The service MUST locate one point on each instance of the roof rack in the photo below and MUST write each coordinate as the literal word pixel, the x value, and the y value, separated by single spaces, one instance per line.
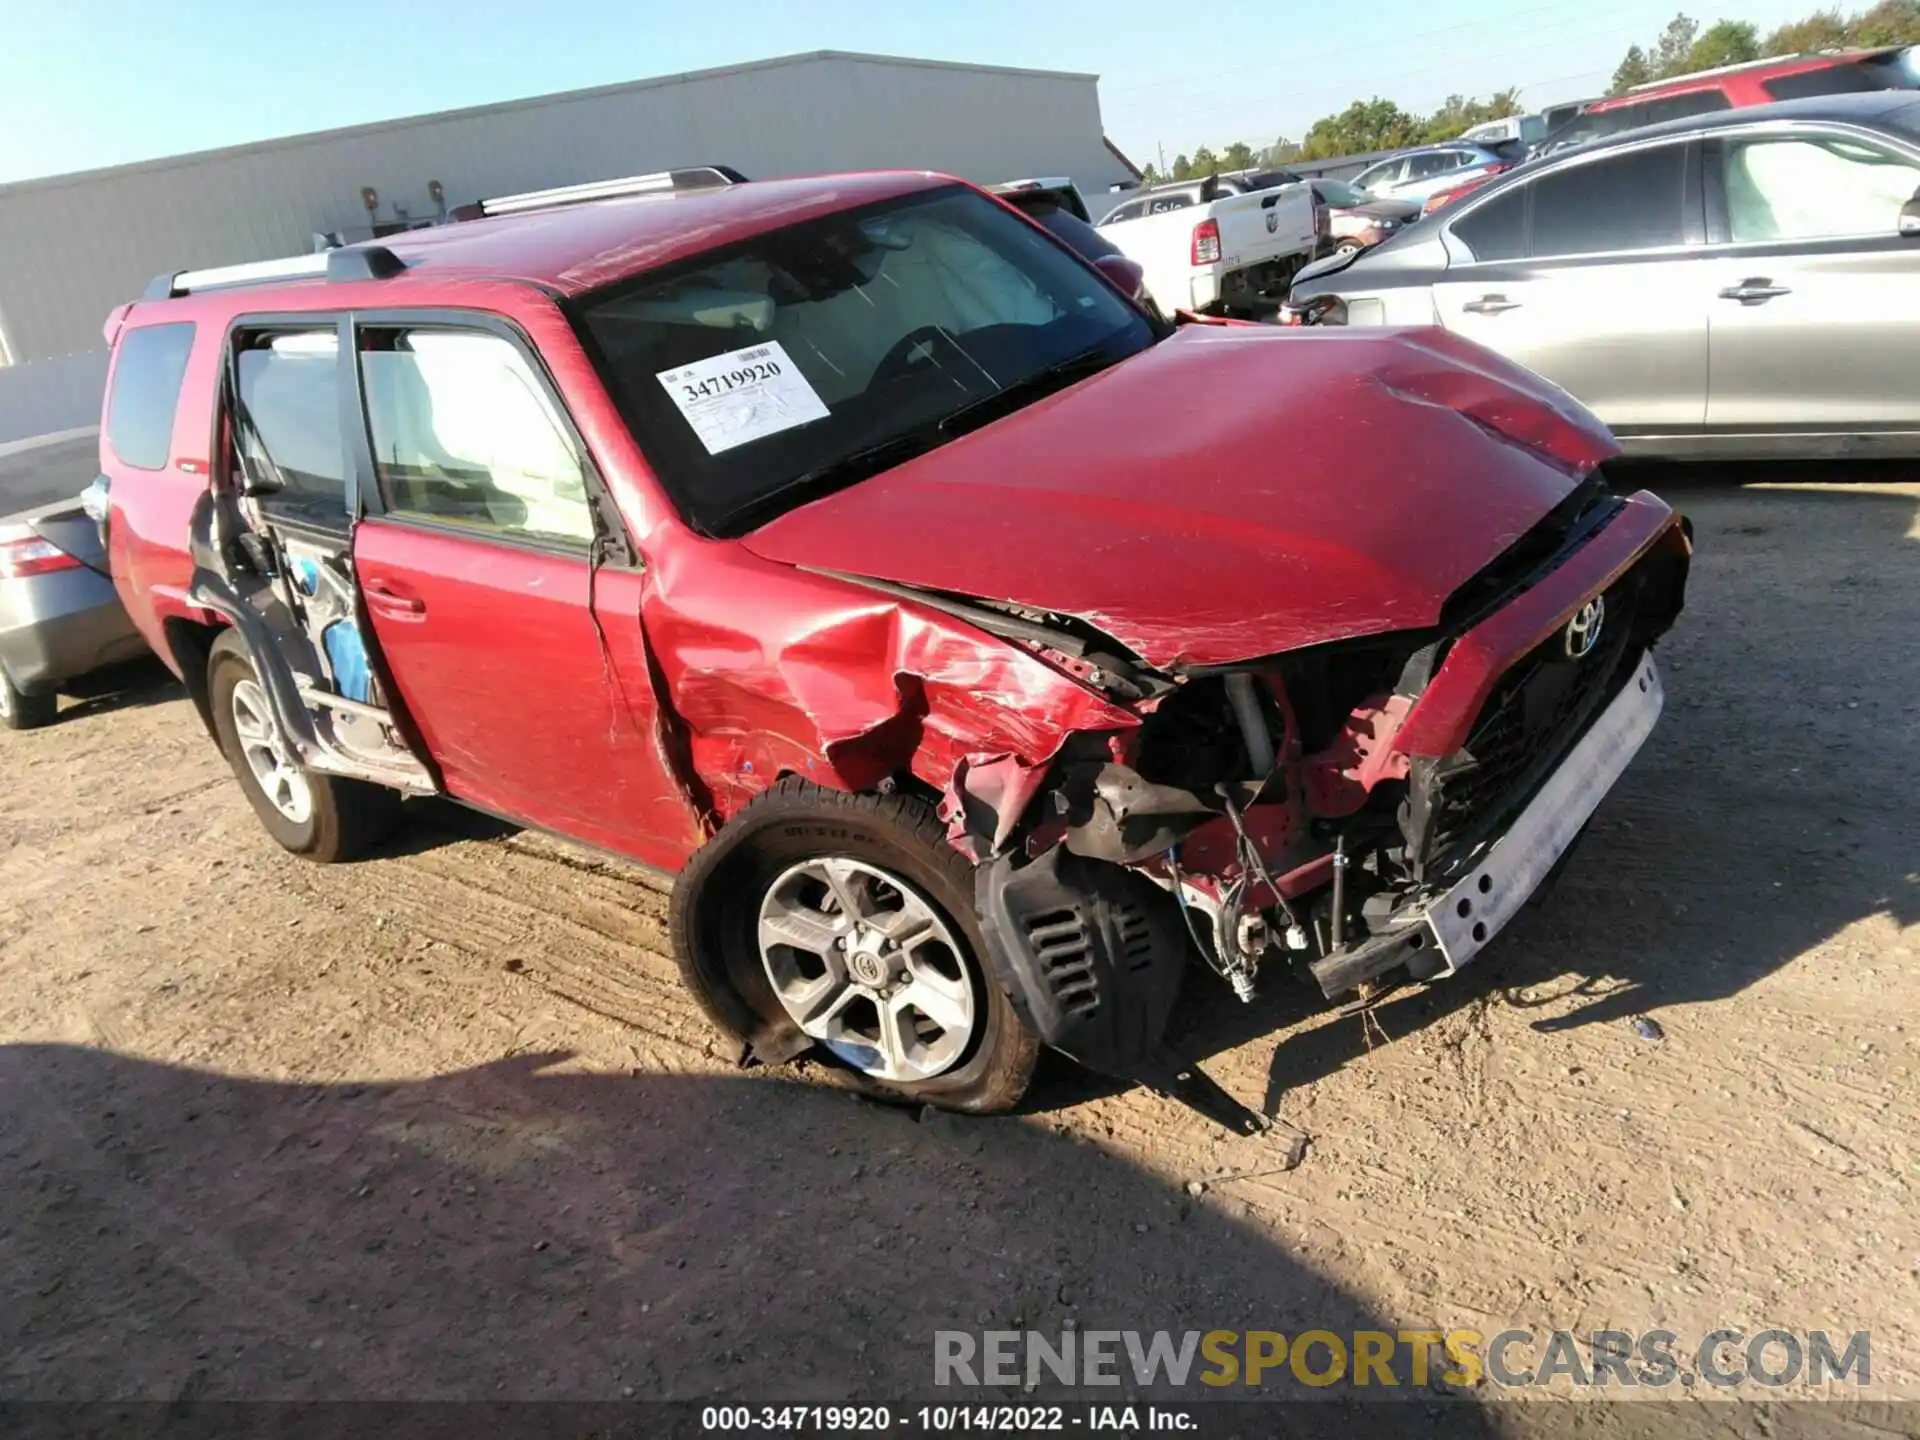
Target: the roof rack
pixel 359 262
pixel 1722 70
pixel 692 178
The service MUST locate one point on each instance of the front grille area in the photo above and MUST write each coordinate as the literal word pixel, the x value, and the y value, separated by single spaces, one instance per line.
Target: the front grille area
pixel 1534 716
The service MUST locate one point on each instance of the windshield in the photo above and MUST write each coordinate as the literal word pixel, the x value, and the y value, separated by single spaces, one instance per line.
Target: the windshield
pixel 761 375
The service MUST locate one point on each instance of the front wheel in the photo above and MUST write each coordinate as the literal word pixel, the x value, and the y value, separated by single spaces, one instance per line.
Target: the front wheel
pixel 847 922
pixel 325 818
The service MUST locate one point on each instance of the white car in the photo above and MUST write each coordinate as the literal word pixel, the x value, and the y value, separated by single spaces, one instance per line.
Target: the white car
pixel 1527 129
pixel 1416 174
pixel 1228 244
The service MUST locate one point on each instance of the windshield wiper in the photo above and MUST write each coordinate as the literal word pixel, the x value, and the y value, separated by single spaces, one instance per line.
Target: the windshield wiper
pixel 1025 391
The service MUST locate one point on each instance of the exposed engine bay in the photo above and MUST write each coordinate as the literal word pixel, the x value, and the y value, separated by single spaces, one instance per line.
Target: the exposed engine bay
pixel 1304 812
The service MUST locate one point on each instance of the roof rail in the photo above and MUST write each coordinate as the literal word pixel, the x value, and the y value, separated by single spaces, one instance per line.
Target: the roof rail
pixel 1725 70
pixel 360 262
pixel 692 178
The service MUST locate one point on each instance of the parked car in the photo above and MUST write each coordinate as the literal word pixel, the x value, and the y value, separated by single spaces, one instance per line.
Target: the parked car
pixel 973 648
pixel 1440 199
pixel 1734 87
pixel 1416 174
pixel 1511 154
pixel 1554 116
pixel 1058 206
pixel 1527 129
pixel 59 616
pixel 1352 220
pixel 1227 244
pixel 1746 283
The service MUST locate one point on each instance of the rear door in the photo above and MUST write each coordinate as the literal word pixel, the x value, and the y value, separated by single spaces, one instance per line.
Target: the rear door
pixel 271 542
pixel 504 594
pixel 1592 274
pixel 1816 295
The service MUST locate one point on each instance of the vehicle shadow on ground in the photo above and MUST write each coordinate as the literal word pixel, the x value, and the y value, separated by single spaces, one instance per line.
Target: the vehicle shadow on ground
pixel 133 685
pixel 430 822
pixel 518 1230
pixel 1771 808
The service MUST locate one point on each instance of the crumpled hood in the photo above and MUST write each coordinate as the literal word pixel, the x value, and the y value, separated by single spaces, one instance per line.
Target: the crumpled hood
pixel 1234 492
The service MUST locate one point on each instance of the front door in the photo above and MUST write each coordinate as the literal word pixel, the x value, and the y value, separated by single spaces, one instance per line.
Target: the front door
pixel 1815 315
pixel 1592 275
pixel 519 654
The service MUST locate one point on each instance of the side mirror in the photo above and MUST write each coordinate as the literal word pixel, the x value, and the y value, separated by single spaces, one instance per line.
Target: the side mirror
pixel 1124 273
pixel 1910 217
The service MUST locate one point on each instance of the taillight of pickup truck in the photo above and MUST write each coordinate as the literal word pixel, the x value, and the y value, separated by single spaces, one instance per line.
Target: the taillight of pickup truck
pixel 1206 243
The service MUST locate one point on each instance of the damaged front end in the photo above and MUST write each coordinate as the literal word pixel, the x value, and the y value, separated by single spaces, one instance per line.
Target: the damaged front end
pixel 1355 809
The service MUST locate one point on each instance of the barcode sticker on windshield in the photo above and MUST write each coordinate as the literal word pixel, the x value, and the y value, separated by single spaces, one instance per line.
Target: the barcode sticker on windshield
pixel 742 395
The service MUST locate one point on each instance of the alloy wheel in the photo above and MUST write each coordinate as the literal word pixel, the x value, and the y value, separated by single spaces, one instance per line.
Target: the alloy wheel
pixel 868 966
pixel 280 779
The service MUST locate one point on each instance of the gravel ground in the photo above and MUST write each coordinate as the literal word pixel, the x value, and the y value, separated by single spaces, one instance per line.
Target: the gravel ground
pixel 442 1125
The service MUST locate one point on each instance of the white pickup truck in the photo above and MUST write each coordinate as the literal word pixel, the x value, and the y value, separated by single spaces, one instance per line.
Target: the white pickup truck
pixel 1223 245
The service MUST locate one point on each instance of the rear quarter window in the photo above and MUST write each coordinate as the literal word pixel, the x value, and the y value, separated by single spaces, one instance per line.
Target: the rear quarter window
pixel 146 390
pixel 1829 80
pixel 1498 229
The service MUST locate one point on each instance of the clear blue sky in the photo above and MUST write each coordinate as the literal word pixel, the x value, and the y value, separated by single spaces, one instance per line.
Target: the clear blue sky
pixel 85 83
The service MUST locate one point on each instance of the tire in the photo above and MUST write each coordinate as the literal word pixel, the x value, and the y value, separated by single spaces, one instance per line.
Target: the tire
pixel 340 820
pixel 716 922
pixel 25 712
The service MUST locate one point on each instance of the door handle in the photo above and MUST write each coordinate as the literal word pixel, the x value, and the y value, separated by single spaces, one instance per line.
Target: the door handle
pixel 1756 290
pixel 386 599
pixel 1490 305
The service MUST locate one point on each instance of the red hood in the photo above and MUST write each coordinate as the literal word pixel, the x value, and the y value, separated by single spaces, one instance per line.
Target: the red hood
pixel 1233 492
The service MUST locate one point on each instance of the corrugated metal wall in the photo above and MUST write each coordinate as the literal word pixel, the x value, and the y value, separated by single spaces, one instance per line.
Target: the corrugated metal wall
pixel 74 246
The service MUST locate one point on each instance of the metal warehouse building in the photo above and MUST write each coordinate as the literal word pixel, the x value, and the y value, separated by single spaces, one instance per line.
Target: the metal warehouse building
pixel 73 246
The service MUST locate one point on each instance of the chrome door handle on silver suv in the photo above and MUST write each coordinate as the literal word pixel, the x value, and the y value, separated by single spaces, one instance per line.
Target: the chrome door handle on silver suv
pixel 1756 290
pixel 1490 305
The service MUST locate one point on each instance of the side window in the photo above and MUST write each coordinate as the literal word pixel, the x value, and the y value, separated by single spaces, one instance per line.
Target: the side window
pixel 1132 210
pixel 1624 202
pixel 1425 167
pixel 1815 188
pixel 1626 117
pixel 1162 204
pixel 464 434
pixel 1387 172
pixel 1827 80
pixel 1498 229
pixel 146 390
pixel 291 444
pixel 1681 107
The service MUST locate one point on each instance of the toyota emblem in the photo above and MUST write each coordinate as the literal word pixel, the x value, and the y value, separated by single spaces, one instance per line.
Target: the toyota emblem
pixel 1583 630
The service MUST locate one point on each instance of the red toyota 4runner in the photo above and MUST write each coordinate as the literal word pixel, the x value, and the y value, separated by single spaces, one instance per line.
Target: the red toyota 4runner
pixel 975 649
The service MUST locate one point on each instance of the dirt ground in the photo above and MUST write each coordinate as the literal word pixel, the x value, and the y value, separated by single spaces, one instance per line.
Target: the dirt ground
pixel 442 1125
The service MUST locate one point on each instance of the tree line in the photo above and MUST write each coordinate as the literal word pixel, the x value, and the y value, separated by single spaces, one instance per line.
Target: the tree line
pixel 1380 124
pixel 1364 125
pixel 1684 47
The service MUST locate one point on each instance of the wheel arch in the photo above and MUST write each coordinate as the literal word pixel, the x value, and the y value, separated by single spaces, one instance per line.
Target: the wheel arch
pixel 190 646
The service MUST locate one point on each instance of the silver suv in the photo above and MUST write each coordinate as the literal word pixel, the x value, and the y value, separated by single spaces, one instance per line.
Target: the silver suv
pixel 1739 284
